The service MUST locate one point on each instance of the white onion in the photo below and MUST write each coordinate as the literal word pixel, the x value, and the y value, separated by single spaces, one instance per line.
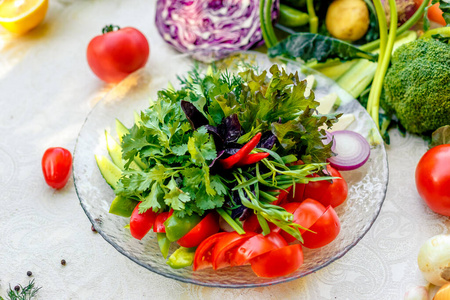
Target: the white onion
pixel 434 259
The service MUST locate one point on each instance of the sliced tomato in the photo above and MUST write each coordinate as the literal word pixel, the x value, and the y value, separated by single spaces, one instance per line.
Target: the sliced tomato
pixel 203 254
pixel 296 195
pixel 223 250
pixel 251 224
pixel 256 245
pixel 282 197
pixel 140 224
pixel 326 229
pixel 328 193
pixel 158 225
pixel 208 226
pixel 306 214
pixel 278 262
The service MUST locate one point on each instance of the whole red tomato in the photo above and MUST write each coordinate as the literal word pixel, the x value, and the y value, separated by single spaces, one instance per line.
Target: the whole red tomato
pixel 56 166
pixel 433 179
pixel 117 53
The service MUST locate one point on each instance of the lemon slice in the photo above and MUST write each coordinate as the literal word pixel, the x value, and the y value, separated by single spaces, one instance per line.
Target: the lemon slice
pixel 20 16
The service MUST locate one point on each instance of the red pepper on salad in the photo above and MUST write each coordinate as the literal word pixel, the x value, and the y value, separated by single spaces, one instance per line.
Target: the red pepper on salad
pixel 243 156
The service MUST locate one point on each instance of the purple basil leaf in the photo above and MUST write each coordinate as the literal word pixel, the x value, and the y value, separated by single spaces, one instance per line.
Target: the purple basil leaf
pixel 230 129
pixel 194 116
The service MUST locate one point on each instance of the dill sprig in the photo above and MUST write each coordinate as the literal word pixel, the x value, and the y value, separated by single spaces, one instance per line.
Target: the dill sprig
pixel 24 293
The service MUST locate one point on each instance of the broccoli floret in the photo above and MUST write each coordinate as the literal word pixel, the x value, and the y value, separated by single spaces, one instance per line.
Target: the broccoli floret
pixel 417 86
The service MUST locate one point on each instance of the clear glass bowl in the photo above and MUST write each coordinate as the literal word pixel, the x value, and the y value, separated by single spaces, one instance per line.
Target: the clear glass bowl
pixel 367 185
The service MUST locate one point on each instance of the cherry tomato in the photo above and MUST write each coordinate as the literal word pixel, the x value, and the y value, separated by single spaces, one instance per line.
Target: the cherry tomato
pixel 433 179
pixel 278 262
pixel 257 245
pixel 327 193
pixel 208 226
pixel 140 224
pixel 223 250
pixel 117 53
pixel 203 254
pixel 325 230
pixel 57 166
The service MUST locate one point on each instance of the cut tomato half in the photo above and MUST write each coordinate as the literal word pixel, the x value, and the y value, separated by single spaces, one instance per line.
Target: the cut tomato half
pixel 278 262
pixel 325 230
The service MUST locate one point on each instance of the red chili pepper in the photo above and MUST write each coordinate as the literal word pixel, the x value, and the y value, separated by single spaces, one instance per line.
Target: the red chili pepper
pixel 229 162
pixel 252 159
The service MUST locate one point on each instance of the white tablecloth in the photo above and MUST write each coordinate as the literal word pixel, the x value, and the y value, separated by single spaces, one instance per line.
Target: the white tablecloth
pixel 46 92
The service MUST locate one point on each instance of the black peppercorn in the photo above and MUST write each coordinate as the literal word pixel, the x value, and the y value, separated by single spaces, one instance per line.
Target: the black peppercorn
pixel 29 273
pixel 63 262
pixel 17 288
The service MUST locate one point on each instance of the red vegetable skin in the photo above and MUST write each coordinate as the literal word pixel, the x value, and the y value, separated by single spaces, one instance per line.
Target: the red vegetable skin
pixel 257 245
pixel 116 54
pixel 252 159
pixel 434 12
pixel 223 250
pixel 203 254
pixel 140 224
pixel 352 150
pixel 231 161
pixel 325 230
pixel 305 214
pixel 328 193
pixel 278 262
pixel 208 226
pixel 433 179
pixel 158 225
pixel 56 166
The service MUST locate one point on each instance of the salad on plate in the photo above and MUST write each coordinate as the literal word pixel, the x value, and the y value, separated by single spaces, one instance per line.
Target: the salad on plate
pixel 235 168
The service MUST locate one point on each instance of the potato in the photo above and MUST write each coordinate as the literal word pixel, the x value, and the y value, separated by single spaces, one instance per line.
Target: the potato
pixel 347 19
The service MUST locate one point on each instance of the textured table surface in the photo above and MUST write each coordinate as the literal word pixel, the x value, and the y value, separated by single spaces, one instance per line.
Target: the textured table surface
pixel 46 92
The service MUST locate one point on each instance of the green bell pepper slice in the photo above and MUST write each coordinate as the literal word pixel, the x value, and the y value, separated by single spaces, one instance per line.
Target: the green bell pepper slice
pixel 181 258
pixel 177 227
pixel 163 243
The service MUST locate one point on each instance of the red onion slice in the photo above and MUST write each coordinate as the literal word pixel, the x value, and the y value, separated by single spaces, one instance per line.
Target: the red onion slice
pixel 329 139
pixel 352 150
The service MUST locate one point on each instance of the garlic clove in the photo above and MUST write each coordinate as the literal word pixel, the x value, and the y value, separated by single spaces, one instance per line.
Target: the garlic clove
pixel 417 293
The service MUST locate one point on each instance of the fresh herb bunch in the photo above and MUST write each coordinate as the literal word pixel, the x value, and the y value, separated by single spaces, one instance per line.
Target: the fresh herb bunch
pixel 183 136
pixel 24 293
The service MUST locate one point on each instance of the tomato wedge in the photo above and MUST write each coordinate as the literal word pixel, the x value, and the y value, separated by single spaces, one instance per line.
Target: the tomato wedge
pixel 208 226
pixel 278 262
pixel 203 254
pixel 282 197
pixel 257 245
pixel 296 195
pixel 306 214
pixel 328 193
pixel 158 225
pixel 326 229
pixel 140 224
pixel 222 252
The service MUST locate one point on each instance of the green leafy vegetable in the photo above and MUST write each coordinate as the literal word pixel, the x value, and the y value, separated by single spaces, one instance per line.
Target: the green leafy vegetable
pixel 310 46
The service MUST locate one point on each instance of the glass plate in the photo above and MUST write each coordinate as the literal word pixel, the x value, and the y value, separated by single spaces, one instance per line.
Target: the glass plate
pixel 367 185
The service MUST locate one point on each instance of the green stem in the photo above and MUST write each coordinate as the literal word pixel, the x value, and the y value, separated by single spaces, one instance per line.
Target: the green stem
pixel 375 92
pixel 382 23
pixel 109 28
pixel 230 221
pixel 265 16
pixel 313 20
pixel 445 31
pixel 407 25
pixel 263 223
